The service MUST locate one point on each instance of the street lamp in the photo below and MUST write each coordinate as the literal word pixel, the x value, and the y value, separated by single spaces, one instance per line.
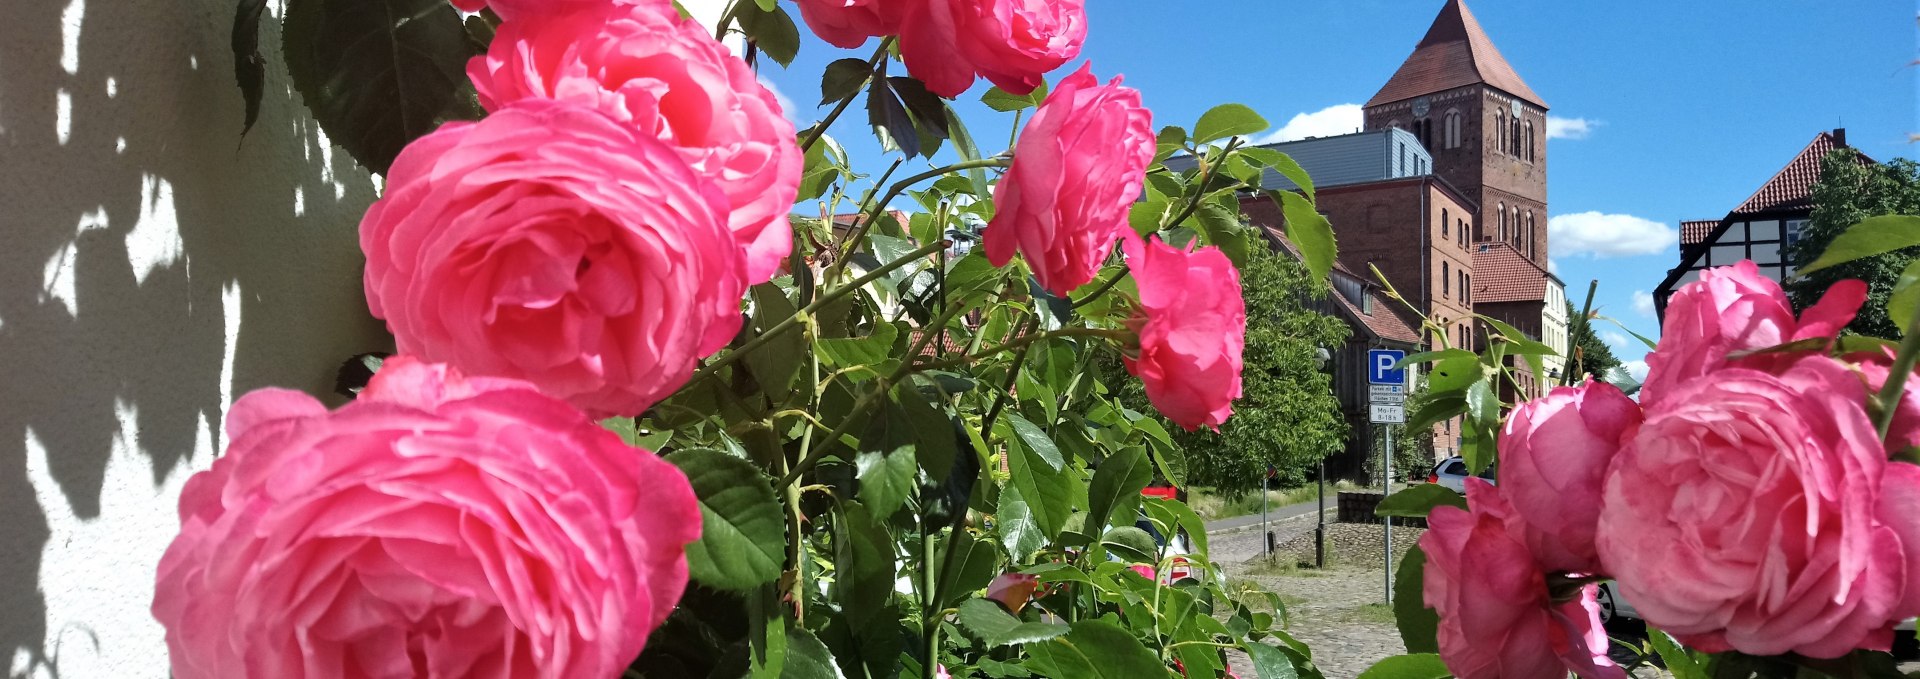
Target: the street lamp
pixel 1321 357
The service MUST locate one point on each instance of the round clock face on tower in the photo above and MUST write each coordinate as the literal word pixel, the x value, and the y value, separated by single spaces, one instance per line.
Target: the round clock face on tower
pixel 1420 107
pixel 1516 108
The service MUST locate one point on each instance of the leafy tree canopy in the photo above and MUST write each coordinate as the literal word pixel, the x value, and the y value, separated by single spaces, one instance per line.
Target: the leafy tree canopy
pixel 1848 192
pixel 1587 353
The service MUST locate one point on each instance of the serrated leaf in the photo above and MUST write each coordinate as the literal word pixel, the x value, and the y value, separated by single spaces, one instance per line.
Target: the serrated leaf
pixel 807 658
pixel 742 530
pixel 1682 664
pixel 843 79
pixel 1042 485
pixel 1094 649
pixel 1906 296
pixel 1116 486
pixel 1418 624
pixel 776 363
pixel 928 109
pixel 967 150
pixel 1019 533
pixel 1227 120
pixel 852 351
pixel 1284 164
pixel 1186 519
pixel 378 74
pixel 1419 500
pixel 1132 544
pixel 1435 409
pixel 1037 440
pixel 1482 405
pixel 770 29
pixel 1270 662
pixel 1873 236
pixel 1411 666
pixel 890 120
pixel 1008 102
pixel 1223 230
pixel 865 565
pixel 974 565
pixel 992 625
pixel 1309 230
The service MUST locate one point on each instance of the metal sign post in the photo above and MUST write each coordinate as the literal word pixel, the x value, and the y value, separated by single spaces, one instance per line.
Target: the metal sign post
pixel 1386 401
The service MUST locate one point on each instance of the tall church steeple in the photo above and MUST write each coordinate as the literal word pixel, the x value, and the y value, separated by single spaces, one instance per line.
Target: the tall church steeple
pixel 1485 127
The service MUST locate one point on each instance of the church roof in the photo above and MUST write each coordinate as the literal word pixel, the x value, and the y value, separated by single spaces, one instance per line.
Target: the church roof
pixel 1455 53
pixel 1792 187
pixel 1502 274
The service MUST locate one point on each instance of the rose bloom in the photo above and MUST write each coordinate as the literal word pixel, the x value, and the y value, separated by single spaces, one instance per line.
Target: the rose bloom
pixel 848 23
pixel 438 526
pixel 549 243
pixel 1076 170
pixel 1013 590
pixel 1735 309
pixel 1758 511
pixel 643 64
pixel 1011 43
pixel 1497 618
pixel 1193 326
pixel 1554 454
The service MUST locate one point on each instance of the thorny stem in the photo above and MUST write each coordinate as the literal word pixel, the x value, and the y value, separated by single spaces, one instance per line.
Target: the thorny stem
pixel 820 130
pixel 1206 173
pixel 1097 292
pixel 1023 341
pixel 873 214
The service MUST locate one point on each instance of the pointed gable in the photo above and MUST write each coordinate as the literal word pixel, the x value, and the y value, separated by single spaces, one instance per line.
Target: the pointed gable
pixel 1455 53
pixel 1792 187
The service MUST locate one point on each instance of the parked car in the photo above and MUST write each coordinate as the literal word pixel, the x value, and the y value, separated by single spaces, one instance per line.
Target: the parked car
pixel 1452 473
pixel 1612 606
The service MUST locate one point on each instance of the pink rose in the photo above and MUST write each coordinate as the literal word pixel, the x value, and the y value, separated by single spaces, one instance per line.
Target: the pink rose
pixel 667 77
pixel 549 243
pixel 1735 309
pixel 1193 326
pixel 1011 43
pixel 1554 454
pixel 1497 618
pixel 438 526
pixel 1076 170
pixel 1144 570
pixel 1013 590
pixel 1758 512
pixel 848 23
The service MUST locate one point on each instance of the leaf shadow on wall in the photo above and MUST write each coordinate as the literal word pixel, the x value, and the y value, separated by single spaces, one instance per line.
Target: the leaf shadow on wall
pixel 134 237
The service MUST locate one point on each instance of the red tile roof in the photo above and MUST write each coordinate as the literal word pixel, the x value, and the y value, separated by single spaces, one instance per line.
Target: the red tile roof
pixel 1455 53
pixel 1502 274
pixel 1696 230
pixel 1791 188
pixel 945 344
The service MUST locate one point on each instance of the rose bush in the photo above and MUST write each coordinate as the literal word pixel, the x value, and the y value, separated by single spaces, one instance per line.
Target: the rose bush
pixel 665 75
pixel 550 243
pixel 1192 327
pixel 1554 454
pixel 439 526
pixel 1075 172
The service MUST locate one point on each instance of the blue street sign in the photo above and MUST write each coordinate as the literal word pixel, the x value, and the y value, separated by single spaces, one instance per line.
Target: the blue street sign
pixel 1380 368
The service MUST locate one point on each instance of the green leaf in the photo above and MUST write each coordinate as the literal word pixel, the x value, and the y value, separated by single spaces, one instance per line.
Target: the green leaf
pixel 1185 518
pixel 843 79
pixel 886 466
pixel 1132 544
pixel 743 536
pixel 1411 666
pixel 964 147
pixel 991 624
pixel 769 28
pixel 249 68
pixel 1905 297
pixel 1651 345
pixel 625 427
pixel 1008 102
pixel 1682 664
pixel 865 565
pixel 1518 342
pixel 821 171
pixel 1227 120
pixel 1418 501
pixel 1873 236
pixel 1482 405
pixel 889 119
pixel 1094 649
pixel 1456 372
pixel 1434 409
pixel 1116 486
pixel 1019 532
pixel 1223 229
pixel 1036 440
pixel 378 74
pixel 1418 624
pixel 775 364
pixel 1282 163
pixel 1043 485
pixel 1309 230
pixel 868 350
pixel 1270 662
pixel 928 109
pixel 807 658
pixel 974 565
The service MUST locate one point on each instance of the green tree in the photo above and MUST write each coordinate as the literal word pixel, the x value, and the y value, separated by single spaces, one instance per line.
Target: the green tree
pixel 1287 416
pixel 1588 354
pixel 1850 190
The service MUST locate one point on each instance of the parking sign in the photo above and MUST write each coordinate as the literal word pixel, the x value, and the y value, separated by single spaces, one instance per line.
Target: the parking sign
pixel 1380 368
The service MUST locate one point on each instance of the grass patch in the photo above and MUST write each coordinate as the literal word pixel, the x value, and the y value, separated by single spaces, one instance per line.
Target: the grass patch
pixel 1373 613
pixel 1283 565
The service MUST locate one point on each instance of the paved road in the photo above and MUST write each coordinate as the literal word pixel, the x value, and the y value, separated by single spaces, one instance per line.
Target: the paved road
pixel 1273 514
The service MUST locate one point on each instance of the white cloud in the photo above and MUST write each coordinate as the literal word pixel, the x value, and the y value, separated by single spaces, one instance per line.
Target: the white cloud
pixel 1570 128
pixel 1613 339
pixel 1638 369
pixel 1553 266
pixel 1609 235
pixel 1326 122
pixel 1643 303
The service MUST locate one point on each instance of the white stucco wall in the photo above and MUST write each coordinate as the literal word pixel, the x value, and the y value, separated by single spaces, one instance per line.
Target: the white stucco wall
pixel 153 265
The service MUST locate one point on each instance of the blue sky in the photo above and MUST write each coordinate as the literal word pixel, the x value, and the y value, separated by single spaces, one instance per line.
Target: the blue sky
pixel 1670 111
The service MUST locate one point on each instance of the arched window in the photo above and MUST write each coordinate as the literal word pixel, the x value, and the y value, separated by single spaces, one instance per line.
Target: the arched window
pixel 1452 129
pixel 1463 233
pixel 1528 128
pixel 1516 221
pixel 1532 241
pixel 1446 279
pixel 1445 222
pixel 1500 123
pixel 1515 138
pixel 1502 212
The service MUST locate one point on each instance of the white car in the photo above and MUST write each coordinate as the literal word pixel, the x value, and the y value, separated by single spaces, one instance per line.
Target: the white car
pixel 1452 473
pixel 1613 607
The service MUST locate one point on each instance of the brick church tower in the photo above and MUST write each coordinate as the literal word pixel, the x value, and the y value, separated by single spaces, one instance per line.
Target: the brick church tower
pixel 1486 129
